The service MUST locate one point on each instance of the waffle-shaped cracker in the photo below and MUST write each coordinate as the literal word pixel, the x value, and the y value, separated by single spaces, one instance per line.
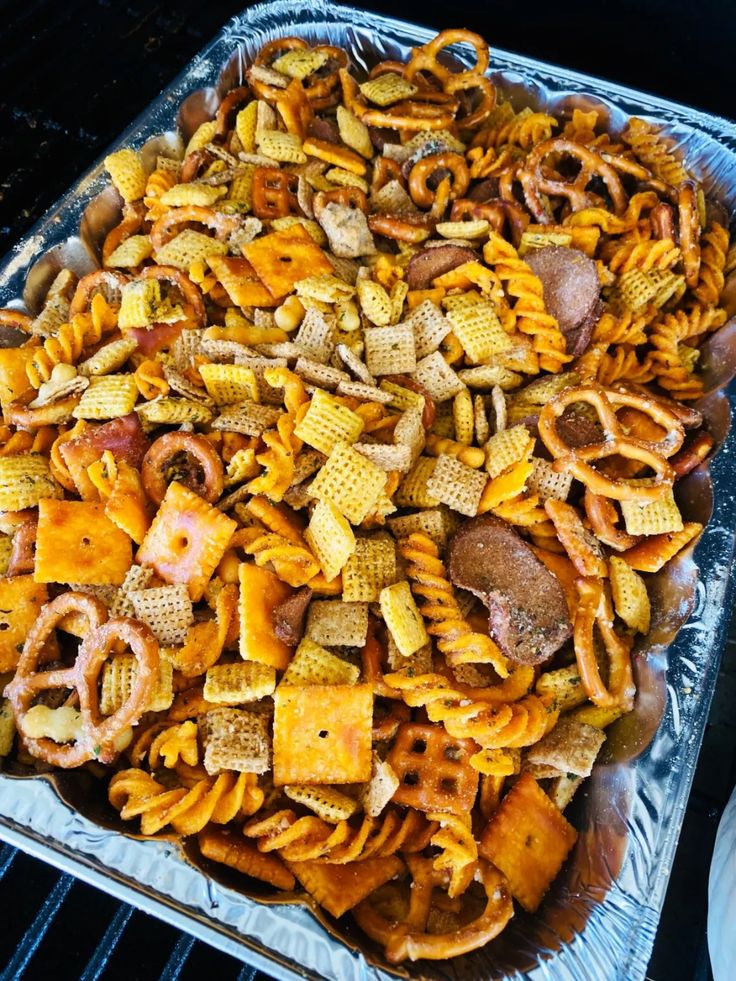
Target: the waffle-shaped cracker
pixel 433 769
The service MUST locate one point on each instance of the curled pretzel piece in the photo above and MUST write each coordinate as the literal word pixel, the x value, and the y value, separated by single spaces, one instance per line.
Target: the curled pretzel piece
pixel 408 939
pixel 167 226
pixel 186 457
pixel 190 293
pixel 537 180
pixel 433 165
pixel 595 610
pixel 424 59
pixel 689 225
pixel 99 735
pixel 578 460
pixel 604 518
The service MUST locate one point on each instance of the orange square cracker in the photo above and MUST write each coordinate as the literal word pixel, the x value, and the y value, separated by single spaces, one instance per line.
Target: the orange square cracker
pixel 341 887
pixel 260 593
pixel 283 258
pixel 186 540
pixel 322 734
pixel 239 279
pixel 21 598
pixel 528 839
pixel 76 542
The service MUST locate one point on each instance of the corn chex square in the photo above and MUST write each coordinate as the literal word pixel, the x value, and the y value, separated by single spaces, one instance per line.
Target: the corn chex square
pixel 349 481
pixel 126 171
pixel 328 422
pixel 248 418
pixel 235 739
pixel 430 327
pixel 403 619
pixel 506 448
pixel 167 610
pixel 333 623
pixel 630 597
pixel 244 681
pixel 654 518
pixel 435 375
pixel 370 568
pixel 329 804
pixel 390 350
pixel 330 537
pixel 187 247
pixel 486 377
pixel 130 253
pixel 284 147
pixel 457 485
pixel 401 397
pixel 118 678
pixel 387 89
pixel 433 522
pixel 228 384
pixel 25 478
pixel 313 665
pixel 354 133
pixel 107 397
pixel 109 358
pixel 317 335
pixel 477 327
pixel 413 491
pixel 546 482
pixel 174 412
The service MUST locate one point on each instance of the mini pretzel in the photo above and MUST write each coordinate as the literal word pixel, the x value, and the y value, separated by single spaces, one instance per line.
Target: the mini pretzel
pixel 689 223
pixel 133 218
pixel 52 414
pixel 663 221
pixel 167 225
pixel 410 116
pixel 422 195
pixel 322 87
pixel 408 939
pixel 384 170
pixel 274 193
pixel 578 460
pixel 486 103
pixel 692 454
pixel 402 228
pixel 537 181
pixel 424 59
pixel 190 292
pixel 193 164
pixel 105 281
pixel 603 518
pixel 348 197
pixel 223 117
pixel 595 610
pixel 99 736
pixel 186 457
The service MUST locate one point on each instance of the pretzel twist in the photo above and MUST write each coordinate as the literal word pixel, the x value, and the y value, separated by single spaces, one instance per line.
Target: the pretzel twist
pixel 595 610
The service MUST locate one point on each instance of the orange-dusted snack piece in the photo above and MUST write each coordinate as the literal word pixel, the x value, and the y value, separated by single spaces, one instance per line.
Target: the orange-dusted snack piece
pixel 229 848
pixel 340 887
pixel 124 438
pixel 283 258
pixel 433 769
pixel 322 734
pixel 186 540
pixel 528 839
pixel 127 506
pixel 14 384
pixel 655 551
pixel 21 599
pixel 261 591
pixel 77 543
pixel 240 281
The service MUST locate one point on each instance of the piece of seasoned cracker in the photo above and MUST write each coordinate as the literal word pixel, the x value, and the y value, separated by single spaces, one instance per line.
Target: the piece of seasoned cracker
pixel 339 888
pixel 329 804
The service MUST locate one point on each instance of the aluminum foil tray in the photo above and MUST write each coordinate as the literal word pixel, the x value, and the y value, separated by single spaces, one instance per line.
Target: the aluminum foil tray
pixel 601 915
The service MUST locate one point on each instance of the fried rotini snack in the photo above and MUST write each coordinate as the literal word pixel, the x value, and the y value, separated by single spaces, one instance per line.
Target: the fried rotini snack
pixel 365 324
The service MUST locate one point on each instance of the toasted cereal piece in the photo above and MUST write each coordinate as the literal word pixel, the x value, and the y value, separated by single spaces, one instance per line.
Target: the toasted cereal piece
pixel 409 431
pixel 130 253
pixel 107 397
pixel 345 178
pixel 414 491
pixel 463 417
pixel 636 289
pixel 7 728
pixel 630 597
pixel 118 678
pixel 347 231
pixel 653 518
pixel 265 119
pixel 189 247
pixel 267 252
pixel 546 482
pixel 386 89
pixel 457 485
pixel 203 135
pixel 463 229
pixel 398 294
pixel 229 384
pixel 284 147
pixel 307 463
pixel 331 805
pixel 186 540
pixel 528 839
pixel 506 448
pixel 420 662
pixel 562 790
pixel 390 350
pixel 377 793
pixel 331 725
pixel 76 542
pixel 328 422
pixel 166 609
pixel 172 411
pixel 402 617
pixel 311 226
pixel 581 545
pixel 537 239
pixel 109 358
pixel 235 740
pixel 317 335
pixel 350 482
pixel 245 126
pixel 370 568
pixel 6 548
pixel 571 747
pixel 300 62
pixel 25 479
pixel 228 847
pixel 376 306
pixel 354 133
pixel 565 685
pixel 249 418
pixel 401 397
pixel 477 327
pixel 322 375
pixel 481 425
pixel 21 599
pixel 326 288
pixel 334 623
pixel 366 393
pixel 125 168
pixel 330 537
pixel 233 684
pixel 313 665
pixel 433 522
pixel 594 715
pixel 436 376
pixel 487 376
pixel 392 199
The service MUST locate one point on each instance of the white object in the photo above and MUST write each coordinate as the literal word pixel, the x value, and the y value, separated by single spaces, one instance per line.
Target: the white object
pixel 722 897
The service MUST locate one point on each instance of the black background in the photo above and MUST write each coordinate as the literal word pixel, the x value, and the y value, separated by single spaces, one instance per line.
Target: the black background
pixel 74 74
